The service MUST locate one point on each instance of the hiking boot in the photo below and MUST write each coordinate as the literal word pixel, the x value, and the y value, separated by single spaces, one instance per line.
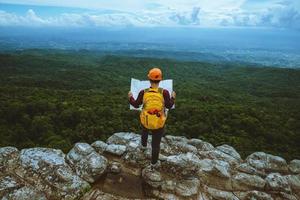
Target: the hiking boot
pixel 141 146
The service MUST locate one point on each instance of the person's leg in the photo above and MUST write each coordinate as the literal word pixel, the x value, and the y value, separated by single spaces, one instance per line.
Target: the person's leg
pixel 144 136
pixel 156 138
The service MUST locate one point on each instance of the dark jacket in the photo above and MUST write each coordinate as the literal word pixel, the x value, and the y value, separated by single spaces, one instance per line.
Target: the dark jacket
pixel 169 102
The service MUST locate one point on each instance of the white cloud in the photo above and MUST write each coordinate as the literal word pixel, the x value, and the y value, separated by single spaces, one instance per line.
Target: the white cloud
pixel 136 5
pixel 284 15
pixel 202 13
pixel 281 15
pixel 30 19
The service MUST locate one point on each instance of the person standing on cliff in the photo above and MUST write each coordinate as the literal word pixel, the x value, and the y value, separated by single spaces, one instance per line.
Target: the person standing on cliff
pixel 155 100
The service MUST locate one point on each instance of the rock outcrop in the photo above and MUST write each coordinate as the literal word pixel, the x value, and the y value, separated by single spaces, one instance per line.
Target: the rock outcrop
pixel 119 169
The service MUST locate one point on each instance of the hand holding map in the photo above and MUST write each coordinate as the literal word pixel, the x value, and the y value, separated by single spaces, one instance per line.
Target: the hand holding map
pixel 138 85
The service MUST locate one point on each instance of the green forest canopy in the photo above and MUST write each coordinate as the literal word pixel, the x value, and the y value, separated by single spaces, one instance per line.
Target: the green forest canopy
pixel 57 98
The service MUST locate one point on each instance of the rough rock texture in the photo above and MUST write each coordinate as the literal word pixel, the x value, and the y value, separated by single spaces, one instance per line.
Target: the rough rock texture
pixel 8 159
pixel 253 195
pixel 116 149
pixel 294 166
pixel 100 195
pixel 242 182
pixel 276 182
pixel 88 164
pixel 119 169
pixel 99 146
pixel 294 182
pixel 267 162
pixel 25 193
pixel 39 173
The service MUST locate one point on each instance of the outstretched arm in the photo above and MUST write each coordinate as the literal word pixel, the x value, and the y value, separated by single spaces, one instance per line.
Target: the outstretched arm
pixel 136 103
pixel 169 101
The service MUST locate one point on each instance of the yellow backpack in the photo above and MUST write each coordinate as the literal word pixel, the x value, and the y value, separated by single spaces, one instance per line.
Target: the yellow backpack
pixel 153 113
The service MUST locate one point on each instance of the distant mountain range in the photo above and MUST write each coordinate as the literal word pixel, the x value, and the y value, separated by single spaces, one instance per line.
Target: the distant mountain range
pixel 265 47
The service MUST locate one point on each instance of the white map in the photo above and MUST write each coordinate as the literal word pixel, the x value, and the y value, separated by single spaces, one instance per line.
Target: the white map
pixel 138 85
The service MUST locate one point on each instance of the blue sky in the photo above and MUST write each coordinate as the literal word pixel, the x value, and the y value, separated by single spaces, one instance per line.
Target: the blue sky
pixel 151 13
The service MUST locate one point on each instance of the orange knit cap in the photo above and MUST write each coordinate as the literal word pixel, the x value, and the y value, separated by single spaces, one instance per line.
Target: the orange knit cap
pixel 155 74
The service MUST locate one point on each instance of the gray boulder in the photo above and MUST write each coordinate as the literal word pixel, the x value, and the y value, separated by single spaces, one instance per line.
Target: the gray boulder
pixel 152 177
pixel 97 194
pixel 183 164
pixel 294 182
pixel 246 182
pixel 99 146
pixel 187 187
pixel 157 194
pixel 171 139
pixel 276 182
pixel 46 169
pixel 221 168
pixel 123 138
pixel 215 173
pixel 166 149
pixel 267 162
pixel 79 151
pixel 87 163
pixel 220 194
pixel 253 195
pixel 116 149
pixel 230 151
pixel 178 147
pixel 189 169
pixel 201 145
pixel 169 185
pixel 25 193
pixel 204 196
pixel 137 157
pixel 283 195
pixel 294 166
pixel 246 168
pixel 8 158
pixel 205 164
pixel 37 158
pixel 219 155
pixel 9 184
pixel 215 168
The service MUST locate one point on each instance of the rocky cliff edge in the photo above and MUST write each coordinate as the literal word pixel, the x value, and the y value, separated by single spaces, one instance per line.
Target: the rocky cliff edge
pixel 119 169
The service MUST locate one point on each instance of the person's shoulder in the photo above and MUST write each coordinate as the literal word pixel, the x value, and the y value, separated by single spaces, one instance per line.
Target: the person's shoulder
pixel 165 91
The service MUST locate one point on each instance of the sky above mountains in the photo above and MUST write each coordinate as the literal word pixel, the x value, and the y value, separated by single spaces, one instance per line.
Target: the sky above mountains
pixel 152 13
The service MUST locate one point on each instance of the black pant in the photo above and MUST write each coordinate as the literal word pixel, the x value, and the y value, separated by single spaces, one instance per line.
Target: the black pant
pixel 156 138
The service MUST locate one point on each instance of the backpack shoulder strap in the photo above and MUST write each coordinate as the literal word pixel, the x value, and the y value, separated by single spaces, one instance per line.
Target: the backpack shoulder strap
pixel 160 90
